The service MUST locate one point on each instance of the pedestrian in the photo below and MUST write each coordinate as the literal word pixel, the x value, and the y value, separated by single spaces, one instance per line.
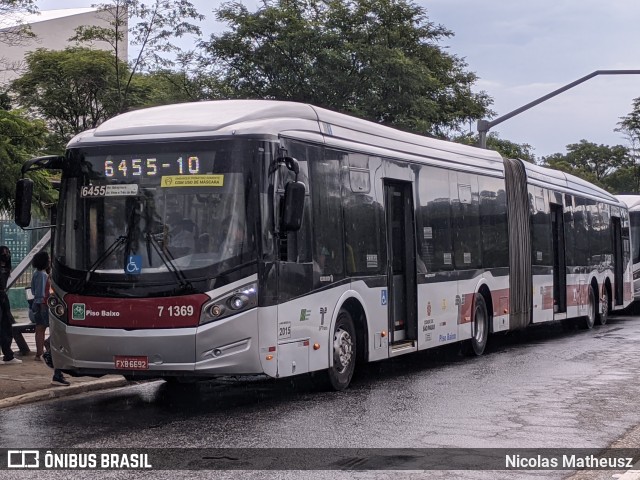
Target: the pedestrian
pixel 6 318
pixel 40 286
pixel 39 308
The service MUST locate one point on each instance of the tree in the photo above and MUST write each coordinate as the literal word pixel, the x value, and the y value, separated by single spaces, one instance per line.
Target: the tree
pixel 600 164
pixel 630 126
pixel 159 22
pixel 21 139
pixel 506 148
pixel 165 87
pixel 72 89
pixel 13 31
pixel 377 59
pixel 11 12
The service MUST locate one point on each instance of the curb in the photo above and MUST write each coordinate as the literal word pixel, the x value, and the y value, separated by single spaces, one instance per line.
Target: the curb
pixel 59 392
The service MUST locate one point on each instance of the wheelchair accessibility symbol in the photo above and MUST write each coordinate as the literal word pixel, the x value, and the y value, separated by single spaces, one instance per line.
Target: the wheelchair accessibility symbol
pixel 134 265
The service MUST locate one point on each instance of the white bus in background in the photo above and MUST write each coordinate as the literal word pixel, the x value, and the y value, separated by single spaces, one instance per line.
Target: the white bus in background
pixel 633 202
pixel 245 237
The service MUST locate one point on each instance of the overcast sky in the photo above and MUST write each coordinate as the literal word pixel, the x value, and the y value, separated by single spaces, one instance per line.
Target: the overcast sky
pixel 522 50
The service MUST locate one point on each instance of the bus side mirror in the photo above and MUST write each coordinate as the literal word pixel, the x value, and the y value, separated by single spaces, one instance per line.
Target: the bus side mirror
pixel 24 191
pixel 293 206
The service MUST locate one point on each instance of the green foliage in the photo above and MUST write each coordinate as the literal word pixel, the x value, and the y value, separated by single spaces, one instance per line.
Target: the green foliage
pixel 21 139
pixel 630 124
pixel 73 89
pixel 506 148
pixel 11 12
pixel 611 168
pixel 158 23
pixel 376 59
pixel 166 87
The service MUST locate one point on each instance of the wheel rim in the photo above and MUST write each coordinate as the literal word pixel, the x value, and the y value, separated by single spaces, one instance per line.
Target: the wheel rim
pixel 479 324
pixel 342 350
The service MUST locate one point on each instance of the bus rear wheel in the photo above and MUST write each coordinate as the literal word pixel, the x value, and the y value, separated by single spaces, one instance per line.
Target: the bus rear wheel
pixel 343 347
pixel 479 328
pixel 603 317
pixel 592 306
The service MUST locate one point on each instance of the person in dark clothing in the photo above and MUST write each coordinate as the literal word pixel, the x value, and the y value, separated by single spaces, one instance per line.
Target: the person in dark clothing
pixel 6 318
pixel 40 286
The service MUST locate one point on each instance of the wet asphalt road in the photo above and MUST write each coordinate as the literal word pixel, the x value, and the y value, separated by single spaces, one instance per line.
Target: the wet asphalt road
pixel 541 388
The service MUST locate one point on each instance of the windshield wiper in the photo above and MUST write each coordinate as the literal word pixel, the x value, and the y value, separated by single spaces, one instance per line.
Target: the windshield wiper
pixel 169 262
pixel 121 240
pixel 112 248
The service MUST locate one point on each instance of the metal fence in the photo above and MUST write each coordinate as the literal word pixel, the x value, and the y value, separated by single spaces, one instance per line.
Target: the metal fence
pixel 20 242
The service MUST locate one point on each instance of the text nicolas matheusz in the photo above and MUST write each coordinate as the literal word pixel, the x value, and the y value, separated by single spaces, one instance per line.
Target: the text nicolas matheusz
pixel 566 461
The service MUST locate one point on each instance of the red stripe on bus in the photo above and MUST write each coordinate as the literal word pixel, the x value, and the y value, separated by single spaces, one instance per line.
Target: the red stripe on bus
pixel 134 313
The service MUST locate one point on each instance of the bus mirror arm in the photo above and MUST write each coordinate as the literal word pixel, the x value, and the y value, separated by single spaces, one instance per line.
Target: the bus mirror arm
pixel 291 164
pixel 49 162
pixel 24 186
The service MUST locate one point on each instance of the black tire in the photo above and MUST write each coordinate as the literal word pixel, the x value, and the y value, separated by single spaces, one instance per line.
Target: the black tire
pixel 338 376
pixel 603 317
pixel 589 320
pixel 479 328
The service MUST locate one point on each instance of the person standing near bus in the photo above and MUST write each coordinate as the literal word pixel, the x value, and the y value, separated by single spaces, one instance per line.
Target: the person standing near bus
pixel 40 287
pixel 6 318
pixel 39 282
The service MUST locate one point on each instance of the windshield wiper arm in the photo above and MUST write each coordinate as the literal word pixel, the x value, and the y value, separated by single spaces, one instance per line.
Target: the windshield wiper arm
pixel 169 262
pixel 82 282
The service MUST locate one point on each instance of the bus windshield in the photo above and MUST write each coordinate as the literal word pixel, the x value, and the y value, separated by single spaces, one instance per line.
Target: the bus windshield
pixel 141 210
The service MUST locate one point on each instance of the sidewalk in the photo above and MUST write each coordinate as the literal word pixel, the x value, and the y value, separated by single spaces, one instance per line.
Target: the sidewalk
pixel 30 381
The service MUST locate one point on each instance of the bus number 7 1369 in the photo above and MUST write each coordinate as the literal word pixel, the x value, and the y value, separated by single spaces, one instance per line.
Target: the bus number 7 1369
pixel 175 310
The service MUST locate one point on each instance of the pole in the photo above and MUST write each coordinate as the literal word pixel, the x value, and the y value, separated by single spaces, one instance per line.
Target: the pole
pixel 485 125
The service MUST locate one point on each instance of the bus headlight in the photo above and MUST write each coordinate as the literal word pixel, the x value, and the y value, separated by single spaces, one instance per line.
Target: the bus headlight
pixel 57 307
pixel 240 300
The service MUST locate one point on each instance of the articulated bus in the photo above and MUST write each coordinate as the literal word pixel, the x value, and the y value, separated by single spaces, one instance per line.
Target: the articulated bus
pixel 633 204
pixel 244 237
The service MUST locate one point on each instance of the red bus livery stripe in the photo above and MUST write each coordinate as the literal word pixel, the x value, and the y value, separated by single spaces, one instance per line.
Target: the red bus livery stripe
pixel 135 313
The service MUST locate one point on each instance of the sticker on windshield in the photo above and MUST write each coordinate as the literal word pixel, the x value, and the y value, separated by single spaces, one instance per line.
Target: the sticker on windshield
pixel 134 265
pixel 126 190
pixel 192 181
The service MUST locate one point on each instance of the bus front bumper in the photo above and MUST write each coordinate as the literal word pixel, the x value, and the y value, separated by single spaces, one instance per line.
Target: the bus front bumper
pixel 226 347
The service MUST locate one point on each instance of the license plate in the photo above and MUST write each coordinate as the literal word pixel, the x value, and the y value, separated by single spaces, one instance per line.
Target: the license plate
pixel 131 363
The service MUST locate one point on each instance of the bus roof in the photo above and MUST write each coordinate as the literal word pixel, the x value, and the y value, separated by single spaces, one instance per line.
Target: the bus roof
pixel 632 201
pixel 224 118
pixel 547 177
pixel 270 117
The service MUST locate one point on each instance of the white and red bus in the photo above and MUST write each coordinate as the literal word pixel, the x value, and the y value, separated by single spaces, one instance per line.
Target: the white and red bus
pixel 633 204
pixel 264 237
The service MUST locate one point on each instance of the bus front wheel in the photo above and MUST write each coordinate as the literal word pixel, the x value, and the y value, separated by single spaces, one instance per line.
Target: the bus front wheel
pixel 343 347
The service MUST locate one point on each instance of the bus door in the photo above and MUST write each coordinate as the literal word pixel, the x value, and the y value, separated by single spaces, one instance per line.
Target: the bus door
pixel 559 261
pixel 401 265
pixel 618 259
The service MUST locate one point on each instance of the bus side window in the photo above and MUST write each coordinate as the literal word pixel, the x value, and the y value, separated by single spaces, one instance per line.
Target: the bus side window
pixel 327 218
pixel 365 237
pixel 434 218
